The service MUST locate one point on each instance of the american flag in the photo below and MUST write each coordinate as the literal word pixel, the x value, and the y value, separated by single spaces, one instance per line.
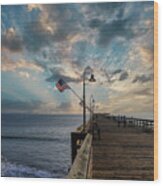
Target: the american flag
pixel 61 85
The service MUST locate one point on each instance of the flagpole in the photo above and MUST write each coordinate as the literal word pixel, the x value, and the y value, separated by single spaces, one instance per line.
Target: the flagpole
pixel 75 94
pixel 73 91
pixel 79 98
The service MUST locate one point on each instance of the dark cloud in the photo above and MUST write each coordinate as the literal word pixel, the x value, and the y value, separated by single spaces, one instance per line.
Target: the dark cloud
pixel 117 27
pixel 19 106
pixel 143 78
pixel 12 42
pixel 125 22
pixel 95 23
pixel 105 9
pixel 108 76
pixel 109 31
pixel 58 73
pixel 120 12
pixel 66 19
pixel 123 76
pixel 117 71
pixel 35 36
pixel 62 21
pixel 70 19
pixel 117 75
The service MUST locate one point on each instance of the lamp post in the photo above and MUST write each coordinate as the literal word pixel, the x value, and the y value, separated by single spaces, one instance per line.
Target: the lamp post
pixel 92 79
pixel 92 105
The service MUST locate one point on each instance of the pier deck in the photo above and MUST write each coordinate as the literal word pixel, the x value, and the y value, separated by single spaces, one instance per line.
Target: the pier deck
pixel 122 153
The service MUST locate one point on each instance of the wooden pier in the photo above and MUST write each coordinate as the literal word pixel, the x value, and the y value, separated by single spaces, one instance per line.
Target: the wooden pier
pixel 125 152
pixel 124 149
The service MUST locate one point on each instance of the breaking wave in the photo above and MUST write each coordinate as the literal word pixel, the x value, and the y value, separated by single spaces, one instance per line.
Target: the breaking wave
pixel 9 169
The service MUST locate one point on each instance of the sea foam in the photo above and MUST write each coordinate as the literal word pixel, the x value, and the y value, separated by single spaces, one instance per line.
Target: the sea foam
pixel 9 169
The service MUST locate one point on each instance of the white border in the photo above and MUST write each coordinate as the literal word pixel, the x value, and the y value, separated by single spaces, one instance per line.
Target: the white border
pixel 52 182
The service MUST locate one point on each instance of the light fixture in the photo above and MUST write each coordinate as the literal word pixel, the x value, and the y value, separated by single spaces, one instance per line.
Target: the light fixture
pixel 92 79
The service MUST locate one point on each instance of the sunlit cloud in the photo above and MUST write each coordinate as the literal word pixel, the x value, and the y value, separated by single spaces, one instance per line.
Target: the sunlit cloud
pixel 9 64
pixel 31 7
pixel 24 74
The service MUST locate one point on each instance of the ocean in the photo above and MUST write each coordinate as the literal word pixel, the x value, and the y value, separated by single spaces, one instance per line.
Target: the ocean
pixel 37 145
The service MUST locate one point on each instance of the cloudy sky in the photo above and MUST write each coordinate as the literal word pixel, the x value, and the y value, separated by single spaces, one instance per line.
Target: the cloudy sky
pixel 43 43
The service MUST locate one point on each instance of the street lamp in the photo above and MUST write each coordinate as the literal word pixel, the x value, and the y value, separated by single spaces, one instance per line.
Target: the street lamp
pixel 92 79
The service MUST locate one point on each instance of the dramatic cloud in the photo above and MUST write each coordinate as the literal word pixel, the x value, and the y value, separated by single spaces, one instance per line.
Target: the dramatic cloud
pixel 117 75
pixel 117 71
pixel 143 78
pixel 58 73
pixel 116 28
pixel 35 36
pixel 121 23
pixel 95 23
pixel 31 7
pixel 43 43
pixel 9 64
pixel 123 76
pixel 56 23
pixel 11 41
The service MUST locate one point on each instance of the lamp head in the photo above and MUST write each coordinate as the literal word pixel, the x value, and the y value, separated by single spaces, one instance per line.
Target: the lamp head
pixel 92 79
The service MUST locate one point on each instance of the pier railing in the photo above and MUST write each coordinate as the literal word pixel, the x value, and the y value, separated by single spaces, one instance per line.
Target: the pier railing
pixel 80 168
pixel 80 152
pixel 77 139
pixel 134 122
pixel 138 122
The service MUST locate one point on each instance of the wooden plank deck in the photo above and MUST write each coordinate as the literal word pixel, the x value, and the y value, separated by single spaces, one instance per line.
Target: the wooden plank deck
pixel 122 153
